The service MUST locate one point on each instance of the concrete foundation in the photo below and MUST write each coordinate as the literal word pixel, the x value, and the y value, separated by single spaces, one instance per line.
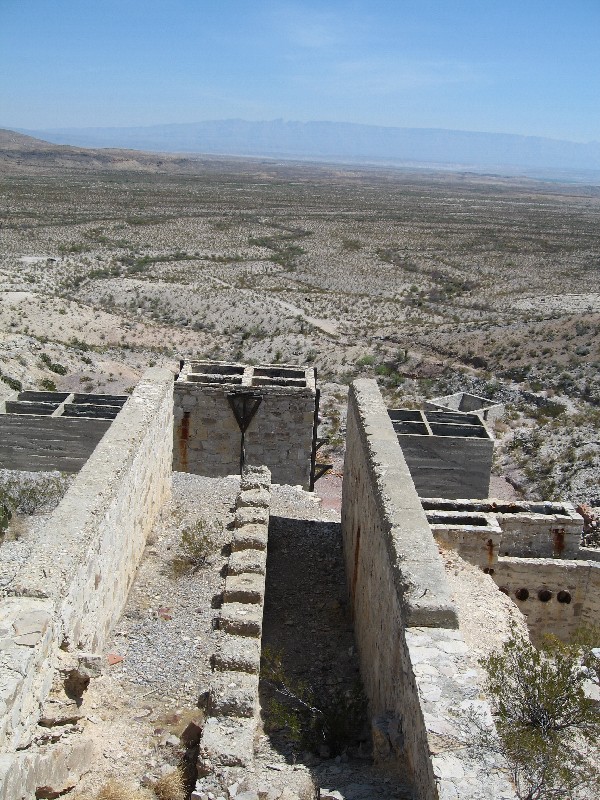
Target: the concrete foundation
pixel 485 408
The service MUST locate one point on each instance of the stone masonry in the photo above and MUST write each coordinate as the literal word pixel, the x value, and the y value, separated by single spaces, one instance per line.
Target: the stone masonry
pixel 207 437
pixel 64 600
pixel 412 656
pixel 227 743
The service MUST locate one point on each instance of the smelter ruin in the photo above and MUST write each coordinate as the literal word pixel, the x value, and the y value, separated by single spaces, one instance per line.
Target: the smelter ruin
pixel 412 479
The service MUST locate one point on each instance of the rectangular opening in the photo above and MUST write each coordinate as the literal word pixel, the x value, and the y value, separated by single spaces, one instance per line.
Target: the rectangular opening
pixel 207 368
pixel 100 399
pixel 453 417
pixel 405 414
pixel 414 428
pixel 92 411
pixel 260 381
pixel 457 520
pixel 278 372
pixel 464 431
pixel 548 509
pixel 40 409
pixel 198 378
pixel 43 397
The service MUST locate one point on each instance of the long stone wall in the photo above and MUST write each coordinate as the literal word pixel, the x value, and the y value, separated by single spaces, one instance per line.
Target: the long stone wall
pixel 73 587
pixel 413 660
pixel 227 743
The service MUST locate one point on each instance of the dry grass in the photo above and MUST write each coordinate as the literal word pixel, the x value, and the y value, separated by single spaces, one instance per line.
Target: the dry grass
pixel 170 787
pixel 117 790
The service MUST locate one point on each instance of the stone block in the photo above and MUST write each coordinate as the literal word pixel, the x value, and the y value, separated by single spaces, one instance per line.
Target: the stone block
pixel 249 587
pixel 250 537
pixel 226 742
pixel 247 561
pixel 233 694
pixel 241 619
pixel 250 515
pixel 238 654
pixel 259 498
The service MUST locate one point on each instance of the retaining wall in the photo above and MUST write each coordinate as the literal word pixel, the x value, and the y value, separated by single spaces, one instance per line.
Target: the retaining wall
pixel 207 438
pixel 413 660
pixel 74 586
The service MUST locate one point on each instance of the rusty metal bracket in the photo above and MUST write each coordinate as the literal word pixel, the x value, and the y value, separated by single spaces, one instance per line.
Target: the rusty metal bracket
pixel 244 406
pixel 320 470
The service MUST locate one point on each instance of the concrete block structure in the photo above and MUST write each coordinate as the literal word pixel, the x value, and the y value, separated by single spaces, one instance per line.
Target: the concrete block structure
pixel 413 658
pixel 449 453
pixel 527 529
pixel 54 430
pixel 280 435
pixel 485 408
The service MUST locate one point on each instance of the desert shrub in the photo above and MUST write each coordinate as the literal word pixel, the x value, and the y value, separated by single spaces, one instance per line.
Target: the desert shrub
pixel 48 385
pixel 170 786
pixel 545 721
pixel 294 710
pixel 14 384
pixel 197 543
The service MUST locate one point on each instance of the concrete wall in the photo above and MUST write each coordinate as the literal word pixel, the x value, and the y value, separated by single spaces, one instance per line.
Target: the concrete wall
pixel 556 596
pixel 526 529
pixel 47 443
pixel 449 466
pixel 463 401
pixel 412 657
pixel 73 587
pixel 207 437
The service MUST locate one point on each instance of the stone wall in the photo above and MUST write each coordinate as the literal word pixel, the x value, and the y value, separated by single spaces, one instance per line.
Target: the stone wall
pixel 207 437
pixel 75 583
pixel 227 743
pixel 463 401
pixel 413 660
pixel 556 596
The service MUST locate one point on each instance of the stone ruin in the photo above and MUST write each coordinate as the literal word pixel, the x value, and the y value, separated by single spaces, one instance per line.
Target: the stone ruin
pixel 62 604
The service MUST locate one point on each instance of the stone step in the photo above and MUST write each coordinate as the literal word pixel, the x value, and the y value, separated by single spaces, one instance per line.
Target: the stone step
pixel 241 619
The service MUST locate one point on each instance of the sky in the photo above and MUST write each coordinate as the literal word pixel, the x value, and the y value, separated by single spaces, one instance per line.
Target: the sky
pixel 512 66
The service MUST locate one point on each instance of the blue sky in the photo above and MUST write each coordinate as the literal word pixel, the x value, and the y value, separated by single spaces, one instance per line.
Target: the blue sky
pixel 524 67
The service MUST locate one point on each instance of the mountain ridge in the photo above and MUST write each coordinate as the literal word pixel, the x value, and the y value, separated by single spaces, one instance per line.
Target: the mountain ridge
pixel 333 140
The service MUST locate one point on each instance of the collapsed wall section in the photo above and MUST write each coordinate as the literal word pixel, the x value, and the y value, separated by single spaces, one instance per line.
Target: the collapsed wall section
pixel 413 660
pixel 75 583
pixel 278 402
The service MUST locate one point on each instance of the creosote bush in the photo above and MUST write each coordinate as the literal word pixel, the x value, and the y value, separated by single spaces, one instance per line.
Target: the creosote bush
pixel 548 727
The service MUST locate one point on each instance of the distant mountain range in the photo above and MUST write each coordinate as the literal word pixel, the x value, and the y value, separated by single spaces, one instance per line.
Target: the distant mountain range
pixel 335 141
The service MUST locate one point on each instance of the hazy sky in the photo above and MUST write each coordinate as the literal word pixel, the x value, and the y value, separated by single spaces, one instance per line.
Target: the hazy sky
pixel 517 66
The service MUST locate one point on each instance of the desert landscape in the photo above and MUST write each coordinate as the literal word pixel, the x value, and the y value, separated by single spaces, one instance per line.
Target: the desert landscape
pixel 430 282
